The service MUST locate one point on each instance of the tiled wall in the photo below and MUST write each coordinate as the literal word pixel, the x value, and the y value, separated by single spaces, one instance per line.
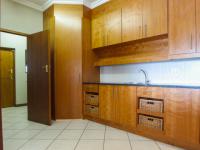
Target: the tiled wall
pixel 174 73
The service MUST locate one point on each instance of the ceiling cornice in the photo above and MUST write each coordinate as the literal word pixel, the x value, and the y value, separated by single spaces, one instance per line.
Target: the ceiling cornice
pixel 51 2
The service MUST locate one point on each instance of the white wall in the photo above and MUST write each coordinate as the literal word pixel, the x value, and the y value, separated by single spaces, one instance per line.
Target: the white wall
pixel 168 73
pixel 20 18
pixel 20 45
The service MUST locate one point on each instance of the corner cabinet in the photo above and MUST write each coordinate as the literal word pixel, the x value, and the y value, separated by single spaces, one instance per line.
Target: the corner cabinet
pixel 182 33
pixel 117 104
pixel 182 116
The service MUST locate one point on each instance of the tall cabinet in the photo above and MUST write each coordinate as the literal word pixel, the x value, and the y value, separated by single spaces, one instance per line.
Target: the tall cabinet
pixel 68 25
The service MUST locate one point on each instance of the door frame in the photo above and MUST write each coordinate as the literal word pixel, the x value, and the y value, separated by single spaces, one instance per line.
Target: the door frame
pixel 14 78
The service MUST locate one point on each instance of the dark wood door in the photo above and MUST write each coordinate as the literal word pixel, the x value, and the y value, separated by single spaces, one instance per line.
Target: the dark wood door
pixel 7 78
pixel 39 75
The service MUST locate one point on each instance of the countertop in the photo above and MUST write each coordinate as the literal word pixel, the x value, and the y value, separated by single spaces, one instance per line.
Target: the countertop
pixel 150 85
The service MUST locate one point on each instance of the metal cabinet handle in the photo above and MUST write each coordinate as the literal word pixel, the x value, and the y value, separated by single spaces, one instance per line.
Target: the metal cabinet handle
pixel 46 68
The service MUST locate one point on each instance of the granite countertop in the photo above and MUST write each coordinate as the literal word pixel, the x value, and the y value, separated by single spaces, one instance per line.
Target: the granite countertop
pixel 150 85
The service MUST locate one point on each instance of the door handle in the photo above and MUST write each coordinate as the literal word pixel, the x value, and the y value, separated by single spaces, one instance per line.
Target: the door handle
pixel 46 68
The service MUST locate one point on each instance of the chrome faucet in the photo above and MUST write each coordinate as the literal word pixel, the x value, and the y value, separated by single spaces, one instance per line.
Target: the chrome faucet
pixel 147 81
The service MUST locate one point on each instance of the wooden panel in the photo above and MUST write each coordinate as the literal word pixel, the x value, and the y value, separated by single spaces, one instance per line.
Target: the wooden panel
pixel 1 130
pixel 107 103
pixel 90 72
pixel 150 92
pixel 98 27
pixel 91 88
pixel 132 20
pixel 154 17
pixel 181 32
pixel 142 51
pixel 113 23
pixel 7 78
pixel 198 24
pixel 39 78
pixel 126 106
pixel 68 61
pixel 182 115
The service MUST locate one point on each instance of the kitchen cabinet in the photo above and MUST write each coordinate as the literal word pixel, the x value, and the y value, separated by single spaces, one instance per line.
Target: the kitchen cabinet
pixel 118 105
pixel 182 108
pixel 132 20
pixel 154 17
pixel 125 97
pixel 198 24
pixel 107 103
pixel 182 33
pixel 98 27
pixel 113 24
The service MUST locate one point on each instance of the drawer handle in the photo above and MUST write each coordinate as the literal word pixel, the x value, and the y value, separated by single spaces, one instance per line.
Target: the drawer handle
pixel 92 107
pixel 152 103
pixel 92 96
pixel 150 119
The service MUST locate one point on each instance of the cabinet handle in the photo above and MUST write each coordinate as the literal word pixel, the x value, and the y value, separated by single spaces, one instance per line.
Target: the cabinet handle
pixel 191 42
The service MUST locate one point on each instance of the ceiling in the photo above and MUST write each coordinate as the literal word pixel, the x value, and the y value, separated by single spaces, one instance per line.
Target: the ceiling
pixel 44 4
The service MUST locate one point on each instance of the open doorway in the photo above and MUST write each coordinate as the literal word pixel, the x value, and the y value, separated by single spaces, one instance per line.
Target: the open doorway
pixel 7 77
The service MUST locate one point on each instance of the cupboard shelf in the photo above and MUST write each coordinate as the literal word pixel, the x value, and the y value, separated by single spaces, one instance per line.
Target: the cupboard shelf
pixel 154 114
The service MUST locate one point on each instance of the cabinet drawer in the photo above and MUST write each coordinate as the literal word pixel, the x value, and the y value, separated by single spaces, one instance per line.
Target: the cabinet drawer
pixel 92 99
pixel 151 105
pixel 91 88
pixel 91 111
pixel 151 122
pixel 150 92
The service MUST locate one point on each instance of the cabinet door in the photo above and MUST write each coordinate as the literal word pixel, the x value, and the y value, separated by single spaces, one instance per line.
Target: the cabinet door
pixel 154 17
pixel 182 26
pixel 132 20
pixel 198 24
pixel 98 26
pixel 113 24
pixel 106 103
pixel 182 115
pixel 126 106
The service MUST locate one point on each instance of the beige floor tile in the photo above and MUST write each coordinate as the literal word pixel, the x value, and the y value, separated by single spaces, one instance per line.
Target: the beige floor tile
pixel 36 145
pixel 63 145
pixel 116 135
pixel 93 135
pixel 90 145
pixel 26 134
pixel 144 145
pixel 117 145
pixel 164 146
pixel 95 126
pixel 13 144
pixel 70 134
pixel 138 137
pixel 48 134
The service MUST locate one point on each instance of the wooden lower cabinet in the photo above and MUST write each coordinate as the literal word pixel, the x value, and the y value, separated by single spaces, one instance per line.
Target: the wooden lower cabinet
pixel 118 105
pixel 182 107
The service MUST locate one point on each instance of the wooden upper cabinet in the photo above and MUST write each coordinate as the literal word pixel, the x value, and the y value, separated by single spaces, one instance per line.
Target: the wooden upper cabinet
pixel 98 28
pixel 198 24
pixel 132 20
pixel 113 24
pixel 126 106
pixel 182 108
pixel 154 17
pixel 106 103
pixel 182 33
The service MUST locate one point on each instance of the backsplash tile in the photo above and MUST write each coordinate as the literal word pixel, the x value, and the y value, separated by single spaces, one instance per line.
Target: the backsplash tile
pixel 174 73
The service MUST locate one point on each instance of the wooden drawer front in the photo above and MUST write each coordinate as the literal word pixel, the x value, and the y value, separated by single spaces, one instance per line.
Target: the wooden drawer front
pixel 150 92
pixel 92 99
pixel 151 105
pixel 92 110
pixel 91 88
pixel 151 122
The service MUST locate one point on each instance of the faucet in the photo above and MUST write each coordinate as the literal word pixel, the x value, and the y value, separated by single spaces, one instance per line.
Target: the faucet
pixel 147 81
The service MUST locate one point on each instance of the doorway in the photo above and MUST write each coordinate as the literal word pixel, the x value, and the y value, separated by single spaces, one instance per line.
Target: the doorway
pixel 7 77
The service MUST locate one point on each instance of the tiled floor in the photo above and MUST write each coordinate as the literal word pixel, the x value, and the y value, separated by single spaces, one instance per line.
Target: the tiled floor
pixel 20 134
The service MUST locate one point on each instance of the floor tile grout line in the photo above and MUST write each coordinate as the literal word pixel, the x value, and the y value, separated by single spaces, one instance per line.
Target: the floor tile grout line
pixel 104 140
pixel 57 136
pixel 129 141
pixel 81 136
pixel 158 145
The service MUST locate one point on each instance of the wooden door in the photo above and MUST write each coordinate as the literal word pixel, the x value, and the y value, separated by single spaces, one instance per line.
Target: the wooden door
pixel 1 130
pixel 154 17
pixel 39 78
pixel 132 20
pixel 106 103
pixel 126 106
pixel 98 27
pixel 7 78
pixel 182 27
pixel 198 24
pixel 113 24
pixel 182 115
